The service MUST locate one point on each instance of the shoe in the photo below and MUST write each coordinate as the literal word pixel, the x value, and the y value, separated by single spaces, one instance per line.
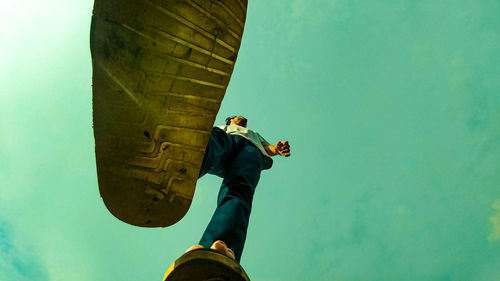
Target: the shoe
pixel 205 264
pixel 160 72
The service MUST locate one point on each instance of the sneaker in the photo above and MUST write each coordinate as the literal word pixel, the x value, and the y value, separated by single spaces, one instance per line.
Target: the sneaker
pixel 160 72
pixel 205 264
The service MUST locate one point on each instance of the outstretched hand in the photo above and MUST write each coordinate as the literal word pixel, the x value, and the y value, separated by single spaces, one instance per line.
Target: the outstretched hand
pixel 283 148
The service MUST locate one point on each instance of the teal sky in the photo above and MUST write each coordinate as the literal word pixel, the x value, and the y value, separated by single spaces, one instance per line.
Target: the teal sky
pixel 392 109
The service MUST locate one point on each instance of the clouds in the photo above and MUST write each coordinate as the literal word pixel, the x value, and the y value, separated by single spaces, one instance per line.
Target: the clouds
pixel 17 262
pixel 403 188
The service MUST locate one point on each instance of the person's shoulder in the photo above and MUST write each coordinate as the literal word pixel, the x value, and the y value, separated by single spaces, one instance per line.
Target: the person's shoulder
pixel 253 131
pixel 262 139
pixel 255 134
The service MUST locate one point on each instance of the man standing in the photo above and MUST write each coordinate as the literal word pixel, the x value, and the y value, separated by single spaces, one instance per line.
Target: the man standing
pixel 238 155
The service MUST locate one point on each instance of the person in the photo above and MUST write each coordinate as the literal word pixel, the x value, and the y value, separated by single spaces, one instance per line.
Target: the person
pixel 238 155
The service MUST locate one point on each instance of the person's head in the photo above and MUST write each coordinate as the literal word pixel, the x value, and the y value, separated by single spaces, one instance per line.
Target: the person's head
pixel 237 120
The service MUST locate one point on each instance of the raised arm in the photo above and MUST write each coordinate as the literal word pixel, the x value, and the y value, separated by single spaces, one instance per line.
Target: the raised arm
pixel 281 148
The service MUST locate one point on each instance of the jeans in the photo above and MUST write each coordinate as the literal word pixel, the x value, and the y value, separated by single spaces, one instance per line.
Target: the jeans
pixel 239 163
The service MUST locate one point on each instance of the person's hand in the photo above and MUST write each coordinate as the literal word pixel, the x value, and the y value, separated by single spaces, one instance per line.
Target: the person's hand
pixel 283 148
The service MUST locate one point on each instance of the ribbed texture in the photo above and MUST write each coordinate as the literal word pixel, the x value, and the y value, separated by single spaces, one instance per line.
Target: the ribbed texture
pixel 160 72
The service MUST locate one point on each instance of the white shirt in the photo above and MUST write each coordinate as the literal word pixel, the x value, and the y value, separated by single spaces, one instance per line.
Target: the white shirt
pixel 250 135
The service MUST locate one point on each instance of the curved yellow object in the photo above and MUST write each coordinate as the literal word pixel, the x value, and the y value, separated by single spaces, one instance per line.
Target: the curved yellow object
pixel 205 264
pixel 160 72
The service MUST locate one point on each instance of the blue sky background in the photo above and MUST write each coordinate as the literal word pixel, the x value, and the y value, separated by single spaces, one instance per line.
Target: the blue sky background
pixel 392 109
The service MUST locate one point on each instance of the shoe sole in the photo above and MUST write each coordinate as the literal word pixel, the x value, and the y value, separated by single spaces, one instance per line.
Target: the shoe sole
pixel 160 72
pixel 205 264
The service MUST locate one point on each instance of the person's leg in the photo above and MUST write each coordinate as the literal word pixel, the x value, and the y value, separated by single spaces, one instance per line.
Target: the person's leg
pixel 219 147
pixel 230 220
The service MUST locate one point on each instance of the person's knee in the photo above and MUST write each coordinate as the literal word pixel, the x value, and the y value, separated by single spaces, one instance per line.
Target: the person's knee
pixel 240 197
pixel 242 183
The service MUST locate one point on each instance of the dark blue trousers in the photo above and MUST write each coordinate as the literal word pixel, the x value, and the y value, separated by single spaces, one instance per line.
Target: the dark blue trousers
pixel 239 163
